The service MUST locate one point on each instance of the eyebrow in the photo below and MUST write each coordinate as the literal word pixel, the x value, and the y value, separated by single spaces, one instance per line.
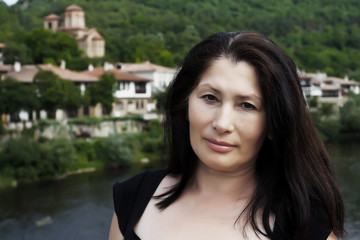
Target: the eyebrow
pixel 250 96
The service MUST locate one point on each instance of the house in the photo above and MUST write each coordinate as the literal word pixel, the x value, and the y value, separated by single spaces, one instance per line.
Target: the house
pixel 161 76
pixel 327 89
pixel 133 93
pixel 90 40
pixel 26 74
pixel 82 81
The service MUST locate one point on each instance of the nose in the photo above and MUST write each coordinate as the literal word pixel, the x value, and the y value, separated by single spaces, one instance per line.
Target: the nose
pixel 223 120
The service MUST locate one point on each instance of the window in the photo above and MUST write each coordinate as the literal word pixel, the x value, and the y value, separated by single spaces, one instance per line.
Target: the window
pixel 124 85
pixel 86 110
pixel 140 104
pixel 140 87
pixel 330 93
pixel 49 25
pixel 119 106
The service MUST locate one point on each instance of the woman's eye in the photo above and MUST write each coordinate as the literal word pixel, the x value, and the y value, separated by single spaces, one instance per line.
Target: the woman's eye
pixel 248 106
pixel 209 98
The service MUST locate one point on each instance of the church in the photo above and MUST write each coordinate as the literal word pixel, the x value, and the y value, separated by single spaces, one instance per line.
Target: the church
pixel 89 40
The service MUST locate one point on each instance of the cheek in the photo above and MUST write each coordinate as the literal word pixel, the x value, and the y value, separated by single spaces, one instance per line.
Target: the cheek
pixel 194 113
pixel 197 122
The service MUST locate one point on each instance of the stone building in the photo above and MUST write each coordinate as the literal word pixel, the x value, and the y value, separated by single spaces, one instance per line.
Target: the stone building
pixel 73 23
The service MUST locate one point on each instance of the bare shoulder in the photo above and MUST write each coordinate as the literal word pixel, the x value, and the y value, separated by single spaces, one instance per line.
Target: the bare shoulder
pixel 332 236
pixel 115 233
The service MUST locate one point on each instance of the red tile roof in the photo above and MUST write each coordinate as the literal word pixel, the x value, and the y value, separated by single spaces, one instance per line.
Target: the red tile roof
pixel 52 17
pixel 26 74
pixel 2 45
pixel 5 68
pixel 342 81
pixel 119 75
pixel 73 7
pixel 145 66
pixel 68 74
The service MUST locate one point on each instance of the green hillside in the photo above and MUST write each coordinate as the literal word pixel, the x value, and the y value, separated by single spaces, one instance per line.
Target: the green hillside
pixel 319 34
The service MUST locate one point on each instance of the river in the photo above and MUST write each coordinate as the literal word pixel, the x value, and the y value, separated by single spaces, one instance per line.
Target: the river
pixel 80 206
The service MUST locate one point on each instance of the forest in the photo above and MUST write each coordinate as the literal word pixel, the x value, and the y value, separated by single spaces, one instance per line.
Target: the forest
pixel 320 35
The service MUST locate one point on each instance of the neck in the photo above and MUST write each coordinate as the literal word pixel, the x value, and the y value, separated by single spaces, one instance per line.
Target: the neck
pixel 239 185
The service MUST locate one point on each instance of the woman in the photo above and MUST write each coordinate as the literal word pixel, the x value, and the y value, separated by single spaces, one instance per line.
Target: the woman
pixel 245 161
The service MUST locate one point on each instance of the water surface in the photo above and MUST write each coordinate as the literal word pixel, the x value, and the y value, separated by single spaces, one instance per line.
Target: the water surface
pixel 81 207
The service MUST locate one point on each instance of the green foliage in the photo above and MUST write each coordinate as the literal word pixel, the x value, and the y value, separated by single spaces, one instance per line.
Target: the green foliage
pixel 313 102
pixel 26 160
pixel 350 115
pixel 160 96
pixel 151 140
pixel 85 149
pixel 329 129
pixel 327 109
pixel 56 156
pixel 16 96
pixel 102 91
pixel 58 46
pixel 71 96
pixel 49 90
pixel 117 151
pixel 318 35
pixel 2 129
pixel 54 92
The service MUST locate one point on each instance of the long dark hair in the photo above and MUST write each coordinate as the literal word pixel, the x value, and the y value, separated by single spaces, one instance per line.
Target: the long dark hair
pixel 293 168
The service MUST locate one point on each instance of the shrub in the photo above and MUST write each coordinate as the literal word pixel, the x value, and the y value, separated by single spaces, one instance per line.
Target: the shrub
pixel 20 159
pixel 329 129
pixel 117 151
pixel 57 155
pixel 27 160
pixel 86 149
pixel 153 145
pixel 2 129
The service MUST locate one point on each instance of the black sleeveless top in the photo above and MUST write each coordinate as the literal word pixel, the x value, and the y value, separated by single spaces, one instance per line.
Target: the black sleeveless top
pixel 133 195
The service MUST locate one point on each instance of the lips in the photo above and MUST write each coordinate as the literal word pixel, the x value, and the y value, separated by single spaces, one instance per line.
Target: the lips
pixel 219 146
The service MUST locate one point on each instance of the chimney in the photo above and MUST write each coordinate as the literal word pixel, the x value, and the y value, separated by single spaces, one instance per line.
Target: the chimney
pixel 62 64
pixel 17 66
pixel 108 66
pixel 90 67
pixel 346 78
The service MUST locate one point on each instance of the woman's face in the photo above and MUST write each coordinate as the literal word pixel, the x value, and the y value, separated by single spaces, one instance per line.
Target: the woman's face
pixel 227 117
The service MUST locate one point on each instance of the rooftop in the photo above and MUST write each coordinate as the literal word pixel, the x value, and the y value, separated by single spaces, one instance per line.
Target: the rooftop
pixel 73 7
pixel 68 74
pixel 26 75
pixel 119 74
pixel 145 66
pixel 52 17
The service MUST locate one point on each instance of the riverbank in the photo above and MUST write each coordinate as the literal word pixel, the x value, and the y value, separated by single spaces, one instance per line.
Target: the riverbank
pixel 7 182
pixel 24 159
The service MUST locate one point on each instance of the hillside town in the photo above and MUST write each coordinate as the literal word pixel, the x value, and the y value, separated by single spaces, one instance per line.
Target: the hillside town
pixel 136 83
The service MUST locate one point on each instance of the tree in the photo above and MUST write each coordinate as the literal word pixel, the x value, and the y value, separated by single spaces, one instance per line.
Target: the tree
pixel 45 44
pixel 50 92
pixel 16 96
pixel 56 93
pixel 72 97
pixel 350 115
pixel 160 96
pixel 102 91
